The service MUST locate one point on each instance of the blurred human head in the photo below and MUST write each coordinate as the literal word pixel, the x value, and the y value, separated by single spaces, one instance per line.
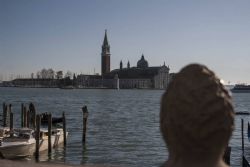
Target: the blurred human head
pixel 196 114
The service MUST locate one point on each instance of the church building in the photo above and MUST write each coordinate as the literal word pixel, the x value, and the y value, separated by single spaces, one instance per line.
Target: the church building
pixel 141 76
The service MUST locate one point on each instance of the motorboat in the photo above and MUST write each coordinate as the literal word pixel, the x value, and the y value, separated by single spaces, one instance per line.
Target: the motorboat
pixel 57 135
pixel 67 87
pixel 4 132
pixel 20 143
pixel 242 113
pixel 55 120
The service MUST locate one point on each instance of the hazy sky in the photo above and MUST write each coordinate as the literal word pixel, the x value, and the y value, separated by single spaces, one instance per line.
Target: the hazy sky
pixel 68 34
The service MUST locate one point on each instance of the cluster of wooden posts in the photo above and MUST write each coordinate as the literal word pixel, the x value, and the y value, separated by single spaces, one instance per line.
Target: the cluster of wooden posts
pixel 227 153
pixel 30 119
pixel 27 116
pixel 226 157
pixel 245 163
pixel 7 113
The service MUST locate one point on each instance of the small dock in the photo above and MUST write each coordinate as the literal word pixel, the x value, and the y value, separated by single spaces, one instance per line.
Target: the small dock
pixel 41 125
pixel 46 138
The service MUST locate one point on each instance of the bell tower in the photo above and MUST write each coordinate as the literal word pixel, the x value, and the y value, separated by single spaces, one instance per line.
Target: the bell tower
pixel 105 55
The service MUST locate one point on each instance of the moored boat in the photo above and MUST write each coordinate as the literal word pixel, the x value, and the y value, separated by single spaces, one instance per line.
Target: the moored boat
pixel 55 120
pixel 242 113
pixel 56 138
pixel 67 87
pixel 4 132
pixel 20 144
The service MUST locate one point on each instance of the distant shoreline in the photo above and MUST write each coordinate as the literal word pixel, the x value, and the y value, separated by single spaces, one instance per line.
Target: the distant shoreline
pixel 30 87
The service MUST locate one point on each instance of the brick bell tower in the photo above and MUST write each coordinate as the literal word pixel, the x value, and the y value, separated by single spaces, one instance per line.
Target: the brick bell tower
pixel 105 55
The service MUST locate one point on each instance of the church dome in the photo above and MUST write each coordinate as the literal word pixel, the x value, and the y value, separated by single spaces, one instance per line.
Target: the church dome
pixel 142 63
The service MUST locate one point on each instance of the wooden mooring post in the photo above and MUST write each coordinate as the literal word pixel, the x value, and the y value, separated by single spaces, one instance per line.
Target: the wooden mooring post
pixel 25 117
pixel 34 119
pixel 22 115
pixel 85 118
pixel 5 113
pixel 3 107
pixel 38 121
pixel 49 132
pixel 11 120
pixel 227 154
pixel 28 118
pixel 33 114
pixel 64 130
pixel 242 136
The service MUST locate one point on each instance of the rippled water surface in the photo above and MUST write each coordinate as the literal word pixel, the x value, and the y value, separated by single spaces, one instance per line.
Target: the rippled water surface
pixel 123 126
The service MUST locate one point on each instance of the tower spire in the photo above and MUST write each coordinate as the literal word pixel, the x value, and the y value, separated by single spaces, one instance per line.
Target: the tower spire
pixel 128 65
pixel 105 55
pixel 105 41
pixel 121 65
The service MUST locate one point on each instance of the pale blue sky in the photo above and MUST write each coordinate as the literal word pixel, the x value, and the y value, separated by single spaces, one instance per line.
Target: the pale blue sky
pixel 67 35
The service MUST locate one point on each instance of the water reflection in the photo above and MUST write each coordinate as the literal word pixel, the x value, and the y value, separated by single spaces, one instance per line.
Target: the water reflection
pixel 84 154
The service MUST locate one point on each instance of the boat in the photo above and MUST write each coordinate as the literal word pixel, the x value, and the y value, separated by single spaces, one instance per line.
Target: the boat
pixel 4 132
pixel 56 138
pixel 67 87
pixel 55 120
pixel 20 143
pixel 242 113
pixel 241 88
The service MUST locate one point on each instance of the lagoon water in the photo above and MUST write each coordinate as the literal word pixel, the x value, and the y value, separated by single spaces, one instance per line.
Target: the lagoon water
pixel 123 126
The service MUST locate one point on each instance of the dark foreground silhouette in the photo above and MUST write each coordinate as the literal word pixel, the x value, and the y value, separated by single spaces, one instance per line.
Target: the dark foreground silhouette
pixel 196 118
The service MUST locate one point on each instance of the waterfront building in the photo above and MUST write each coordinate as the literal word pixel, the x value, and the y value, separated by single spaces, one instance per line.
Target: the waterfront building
pixel 59 75
pixel 36 82
pixel 141 76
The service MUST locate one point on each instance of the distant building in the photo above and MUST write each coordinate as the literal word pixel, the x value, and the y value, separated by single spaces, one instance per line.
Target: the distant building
pixel 59 74
pixel 141 77
pixel 39 82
